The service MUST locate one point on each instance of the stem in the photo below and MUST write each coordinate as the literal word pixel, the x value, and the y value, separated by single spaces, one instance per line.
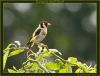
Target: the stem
pixel 59 57
pixel 42 67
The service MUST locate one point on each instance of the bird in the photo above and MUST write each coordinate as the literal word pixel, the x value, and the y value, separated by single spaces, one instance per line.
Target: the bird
pixel 39 34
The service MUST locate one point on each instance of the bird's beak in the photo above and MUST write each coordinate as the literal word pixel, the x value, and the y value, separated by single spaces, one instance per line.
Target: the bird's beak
pixel 49 24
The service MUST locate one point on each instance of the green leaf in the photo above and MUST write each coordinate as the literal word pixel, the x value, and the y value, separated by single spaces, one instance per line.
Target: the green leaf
pixel 5 56
pixel 5 50
pixel 8 47
pixel 68 68
pixel 15 52
pixel 72 60
pixel 47 54
pixel 20 71
pixel 79 70
pixel 79 64
pixel 59 62
pixel 16 71
pixel 28 65
pixel 45 49
pixel 62 71
pixel 52 66
pixel 36 68
pixel 14 68
pixel 92 70
pixel 11 71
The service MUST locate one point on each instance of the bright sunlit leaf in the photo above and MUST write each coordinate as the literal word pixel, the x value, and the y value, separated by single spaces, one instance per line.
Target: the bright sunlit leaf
pixel 72 60
pixel 15 52
pixel 5 56
pixel 62 71
pixel 79 70
pixel 8 47
pixel 11 71
pixel 52 65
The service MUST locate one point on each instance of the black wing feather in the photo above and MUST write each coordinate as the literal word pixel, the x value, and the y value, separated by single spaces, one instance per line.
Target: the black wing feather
pixel 38 32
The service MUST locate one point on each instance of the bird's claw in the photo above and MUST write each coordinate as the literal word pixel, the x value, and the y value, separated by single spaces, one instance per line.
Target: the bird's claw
pixel 42 46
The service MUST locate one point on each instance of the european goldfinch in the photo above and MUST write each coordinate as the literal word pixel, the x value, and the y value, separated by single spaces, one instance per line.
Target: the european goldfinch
pixel 39 34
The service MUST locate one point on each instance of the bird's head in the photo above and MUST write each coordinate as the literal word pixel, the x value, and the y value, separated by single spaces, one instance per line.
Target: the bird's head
pixel 44 24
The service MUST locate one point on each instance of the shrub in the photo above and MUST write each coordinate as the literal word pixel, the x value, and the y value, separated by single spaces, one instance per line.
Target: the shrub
pixel 42 62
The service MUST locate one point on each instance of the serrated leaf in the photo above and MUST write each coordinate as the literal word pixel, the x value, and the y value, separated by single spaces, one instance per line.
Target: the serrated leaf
pixel 5 56
pixel 15 52
pixel 52 66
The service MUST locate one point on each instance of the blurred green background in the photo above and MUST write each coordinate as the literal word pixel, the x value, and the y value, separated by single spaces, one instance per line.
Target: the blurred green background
pixel 73 30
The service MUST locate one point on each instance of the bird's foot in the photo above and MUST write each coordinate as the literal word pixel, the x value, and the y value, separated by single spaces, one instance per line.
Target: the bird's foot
pixel 41 46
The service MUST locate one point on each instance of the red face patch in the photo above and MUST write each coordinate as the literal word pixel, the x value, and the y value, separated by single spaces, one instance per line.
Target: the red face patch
pixel 46 23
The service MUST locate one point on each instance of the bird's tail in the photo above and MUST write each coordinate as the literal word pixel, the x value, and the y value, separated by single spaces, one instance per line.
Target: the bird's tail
pixel 31 42
pixel 29 45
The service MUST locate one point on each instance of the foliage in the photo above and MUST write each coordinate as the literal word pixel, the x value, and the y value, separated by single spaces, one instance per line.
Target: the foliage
pixel 44 61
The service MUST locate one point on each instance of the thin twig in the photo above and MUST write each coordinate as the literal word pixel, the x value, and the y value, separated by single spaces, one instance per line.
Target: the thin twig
pixel 59 57
pixel 46 70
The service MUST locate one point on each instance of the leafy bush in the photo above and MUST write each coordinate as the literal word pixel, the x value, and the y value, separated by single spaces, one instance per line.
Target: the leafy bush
pixel 42 62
